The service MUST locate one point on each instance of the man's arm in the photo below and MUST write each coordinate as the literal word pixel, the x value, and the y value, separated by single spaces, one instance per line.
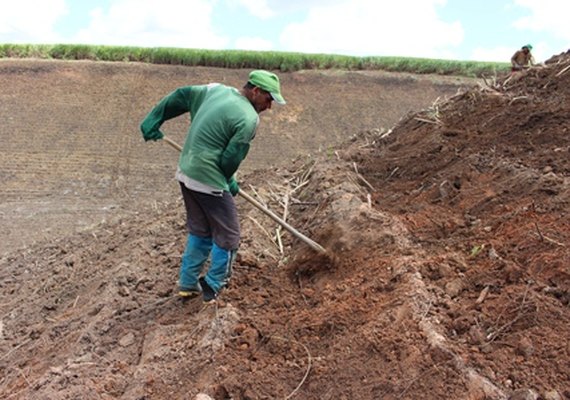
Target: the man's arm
pixel 514 60
pixel 237 148
pixel 171 106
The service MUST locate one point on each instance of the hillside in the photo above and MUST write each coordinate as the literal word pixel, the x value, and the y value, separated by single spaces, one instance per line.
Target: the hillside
pixel 447 273
pixel 72 155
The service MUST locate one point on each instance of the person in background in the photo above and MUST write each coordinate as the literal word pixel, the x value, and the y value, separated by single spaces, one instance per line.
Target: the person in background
pixel 223 123
pixel 522 58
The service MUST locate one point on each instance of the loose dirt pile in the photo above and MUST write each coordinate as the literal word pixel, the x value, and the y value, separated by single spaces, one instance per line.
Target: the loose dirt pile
pixel 447 276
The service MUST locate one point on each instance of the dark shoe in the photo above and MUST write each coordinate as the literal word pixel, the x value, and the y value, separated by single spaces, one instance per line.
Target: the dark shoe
pixel 209 295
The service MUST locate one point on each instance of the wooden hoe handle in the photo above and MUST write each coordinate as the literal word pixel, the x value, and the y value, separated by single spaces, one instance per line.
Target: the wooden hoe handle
pixel 314 245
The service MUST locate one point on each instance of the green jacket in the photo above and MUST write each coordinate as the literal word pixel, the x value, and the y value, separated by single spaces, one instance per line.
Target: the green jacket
pixel 223 123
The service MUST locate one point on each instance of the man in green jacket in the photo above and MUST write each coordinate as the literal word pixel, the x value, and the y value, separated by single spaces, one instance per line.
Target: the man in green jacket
pixel 223 123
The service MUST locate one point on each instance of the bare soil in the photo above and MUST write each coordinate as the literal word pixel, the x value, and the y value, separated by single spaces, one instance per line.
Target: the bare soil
pixel 72 155
pixel 447 234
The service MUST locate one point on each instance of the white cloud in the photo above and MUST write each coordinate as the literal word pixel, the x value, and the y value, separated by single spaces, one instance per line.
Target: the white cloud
pixel 546 16
pixel 496 54
pixel 257 8
pixel 288 6
pixel 150 23
pixel 542 51
pixel 253 43
pixel 375 28
pixel 30 21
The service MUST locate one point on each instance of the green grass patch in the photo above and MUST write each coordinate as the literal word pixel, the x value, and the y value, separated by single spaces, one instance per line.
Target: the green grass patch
pixel 271 60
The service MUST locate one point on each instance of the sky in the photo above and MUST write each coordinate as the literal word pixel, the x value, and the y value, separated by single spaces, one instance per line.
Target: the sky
pixel 478 30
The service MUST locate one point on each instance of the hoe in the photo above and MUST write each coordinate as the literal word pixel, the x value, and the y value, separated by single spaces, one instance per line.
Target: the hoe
pixel 314 245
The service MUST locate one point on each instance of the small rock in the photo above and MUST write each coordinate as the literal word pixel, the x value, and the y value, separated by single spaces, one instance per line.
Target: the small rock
pixel 486 348
pixel 444 188
pixel 524 394
pixel 202 396
pixel 525 347
pixel 127 340
pixel 56 370
pixel 124 291
pixel 444 270
pixel 513 273
pixel 490 373
pixel 552 395
pixel 547 169
pixel 462 324
pixel 454 287
pixel 476 335
pixel 493 255
pixel 49 307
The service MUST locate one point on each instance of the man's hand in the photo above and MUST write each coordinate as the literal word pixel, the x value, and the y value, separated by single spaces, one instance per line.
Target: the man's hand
pixel 153 135
pixel 234 187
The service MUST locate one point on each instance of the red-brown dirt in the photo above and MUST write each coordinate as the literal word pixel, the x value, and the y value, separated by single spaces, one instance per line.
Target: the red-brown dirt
pixel 446 275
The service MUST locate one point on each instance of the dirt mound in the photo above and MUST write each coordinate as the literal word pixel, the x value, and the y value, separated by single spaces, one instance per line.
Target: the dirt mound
pixel 446 275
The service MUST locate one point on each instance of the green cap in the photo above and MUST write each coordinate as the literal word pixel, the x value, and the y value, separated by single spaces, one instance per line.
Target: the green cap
pixel 267 81
pixel 528 46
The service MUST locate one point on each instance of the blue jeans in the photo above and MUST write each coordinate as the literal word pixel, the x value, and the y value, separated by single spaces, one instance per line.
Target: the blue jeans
pixel 220 269
pixel 195 255
pixel 214 231
pixel 197 251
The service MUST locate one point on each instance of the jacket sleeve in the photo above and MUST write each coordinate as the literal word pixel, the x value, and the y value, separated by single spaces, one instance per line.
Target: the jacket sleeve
pixel 174 104
pixel 233 186
pixel 238 147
